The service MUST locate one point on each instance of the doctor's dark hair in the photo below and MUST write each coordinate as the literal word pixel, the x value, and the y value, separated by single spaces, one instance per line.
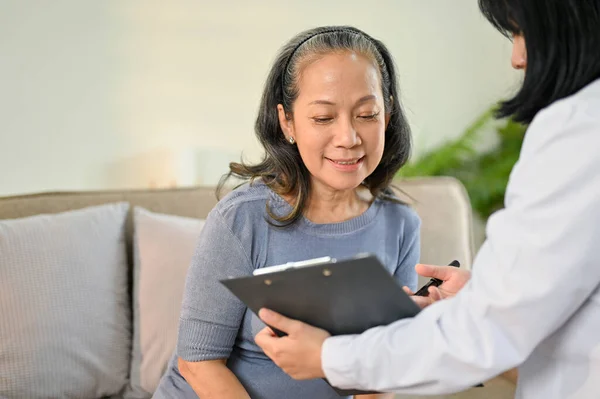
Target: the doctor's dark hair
pixel 563 48
pixel 282 168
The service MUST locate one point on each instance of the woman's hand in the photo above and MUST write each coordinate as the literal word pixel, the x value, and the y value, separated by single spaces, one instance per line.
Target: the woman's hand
pixel 298 353
pixel 454 279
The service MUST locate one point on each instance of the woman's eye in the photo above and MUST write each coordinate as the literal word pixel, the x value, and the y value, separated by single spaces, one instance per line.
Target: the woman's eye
pixel 369 117
pixel 322 120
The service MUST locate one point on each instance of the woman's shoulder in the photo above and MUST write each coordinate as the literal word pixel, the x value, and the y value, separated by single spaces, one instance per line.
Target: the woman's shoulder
pixel 574 118
pixel 244 205
pixel 582 105
pixel 245 195
pixel 394 210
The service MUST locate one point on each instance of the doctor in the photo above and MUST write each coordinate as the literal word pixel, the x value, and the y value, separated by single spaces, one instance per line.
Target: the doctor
pixel 533 299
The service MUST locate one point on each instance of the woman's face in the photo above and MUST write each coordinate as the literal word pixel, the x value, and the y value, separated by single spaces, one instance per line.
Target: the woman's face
pixel 519 53
pixel 338 120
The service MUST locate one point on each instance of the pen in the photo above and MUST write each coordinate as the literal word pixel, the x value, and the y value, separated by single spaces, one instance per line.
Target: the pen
pixel 434 282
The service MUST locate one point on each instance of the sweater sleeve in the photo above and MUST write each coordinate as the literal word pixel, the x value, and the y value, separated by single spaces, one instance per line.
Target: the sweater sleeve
pixel 210 314
pixel 410 252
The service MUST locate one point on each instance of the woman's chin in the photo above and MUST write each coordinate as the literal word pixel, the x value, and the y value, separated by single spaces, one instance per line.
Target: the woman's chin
pixel 342 182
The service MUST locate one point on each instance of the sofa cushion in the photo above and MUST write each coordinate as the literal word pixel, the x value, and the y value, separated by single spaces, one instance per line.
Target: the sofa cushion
pixel 64 314
pixel 164 246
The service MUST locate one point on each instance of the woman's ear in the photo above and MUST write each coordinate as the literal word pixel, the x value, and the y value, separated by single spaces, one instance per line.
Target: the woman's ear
pixel 286 124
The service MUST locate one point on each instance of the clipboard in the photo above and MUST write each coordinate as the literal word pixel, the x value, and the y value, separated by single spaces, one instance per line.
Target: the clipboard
pixel 340 296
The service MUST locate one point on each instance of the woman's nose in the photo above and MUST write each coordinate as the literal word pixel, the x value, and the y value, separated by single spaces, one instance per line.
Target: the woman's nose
pixel 346 136
pixel 519 53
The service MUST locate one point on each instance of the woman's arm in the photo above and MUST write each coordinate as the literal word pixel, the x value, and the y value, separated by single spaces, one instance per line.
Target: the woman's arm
pixel 210 315
pixel 410 252
pixel 212 379
pixel 453 281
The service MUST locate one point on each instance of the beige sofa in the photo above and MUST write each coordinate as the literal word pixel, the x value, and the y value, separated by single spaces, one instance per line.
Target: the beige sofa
pixel 441 203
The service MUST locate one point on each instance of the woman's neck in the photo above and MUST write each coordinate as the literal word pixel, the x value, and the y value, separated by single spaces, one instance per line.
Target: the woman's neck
pixel 327 206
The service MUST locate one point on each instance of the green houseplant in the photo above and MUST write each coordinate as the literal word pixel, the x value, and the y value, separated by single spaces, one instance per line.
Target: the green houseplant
pixel 484 172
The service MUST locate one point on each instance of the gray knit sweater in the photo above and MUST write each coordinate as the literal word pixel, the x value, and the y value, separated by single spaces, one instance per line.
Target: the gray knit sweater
pixel 236 239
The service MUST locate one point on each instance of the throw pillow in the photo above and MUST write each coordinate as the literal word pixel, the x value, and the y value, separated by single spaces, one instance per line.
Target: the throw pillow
pixel 64 314
pixel 164 246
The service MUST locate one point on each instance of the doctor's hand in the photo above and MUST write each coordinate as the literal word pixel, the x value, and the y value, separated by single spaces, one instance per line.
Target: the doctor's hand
pixel 454 279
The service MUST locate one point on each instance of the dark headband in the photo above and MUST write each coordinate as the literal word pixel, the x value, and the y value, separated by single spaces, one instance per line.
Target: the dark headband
pixel 333 30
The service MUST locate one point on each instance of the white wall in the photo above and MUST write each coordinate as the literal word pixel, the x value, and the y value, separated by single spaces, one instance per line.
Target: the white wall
pixel 113 94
